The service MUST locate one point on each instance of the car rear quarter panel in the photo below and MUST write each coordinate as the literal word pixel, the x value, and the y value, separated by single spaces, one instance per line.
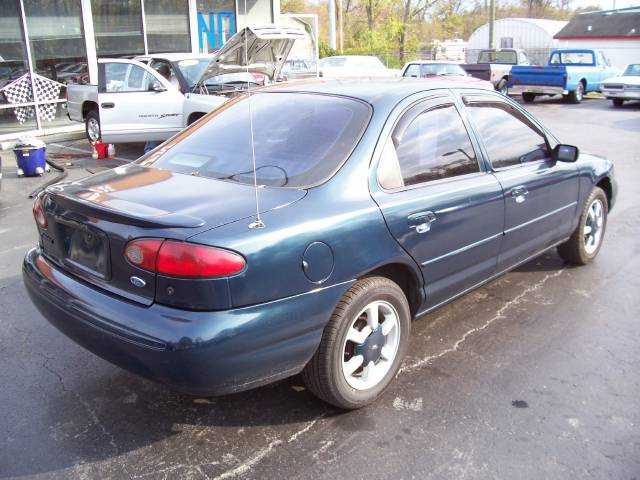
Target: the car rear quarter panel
pixel 339 213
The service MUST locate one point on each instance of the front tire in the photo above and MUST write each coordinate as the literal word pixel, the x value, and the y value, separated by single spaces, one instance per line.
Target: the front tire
pixel 586 240
pixel 362 346
pixel 617 102
pixel 92 126
pixel 528 97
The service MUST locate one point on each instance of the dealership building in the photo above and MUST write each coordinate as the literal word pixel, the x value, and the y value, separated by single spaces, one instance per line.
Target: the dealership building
pixel 47 44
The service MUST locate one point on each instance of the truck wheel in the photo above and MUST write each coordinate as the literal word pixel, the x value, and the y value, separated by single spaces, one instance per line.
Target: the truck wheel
pixel 586 240
pixel 617 102
pixel 503 87
pixel 576 95
pixel 92 126
pixel 362 346
pixel 528 97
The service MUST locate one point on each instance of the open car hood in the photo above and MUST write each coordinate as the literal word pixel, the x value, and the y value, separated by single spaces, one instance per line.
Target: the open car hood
pixel 267 50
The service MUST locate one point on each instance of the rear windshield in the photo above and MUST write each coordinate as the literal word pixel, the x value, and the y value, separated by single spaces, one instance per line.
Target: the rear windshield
pixel 300 139
pixel 501 56
pixel 572 58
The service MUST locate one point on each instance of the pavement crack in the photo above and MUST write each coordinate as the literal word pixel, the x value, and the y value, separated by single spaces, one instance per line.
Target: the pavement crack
pixel 500 314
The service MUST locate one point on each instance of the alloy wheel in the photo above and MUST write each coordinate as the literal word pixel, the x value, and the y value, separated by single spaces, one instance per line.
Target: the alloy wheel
pixel 371 345
pixel 593 226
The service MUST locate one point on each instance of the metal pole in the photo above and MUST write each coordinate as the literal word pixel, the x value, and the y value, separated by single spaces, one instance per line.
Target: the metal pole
pixel 332 24
pixel 34 93
pixel 340 27
pixel 492 20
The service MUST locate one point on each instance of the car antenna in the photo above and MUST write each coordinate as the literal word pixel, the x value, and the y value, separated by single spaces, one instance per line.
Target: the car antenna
pixel 257 223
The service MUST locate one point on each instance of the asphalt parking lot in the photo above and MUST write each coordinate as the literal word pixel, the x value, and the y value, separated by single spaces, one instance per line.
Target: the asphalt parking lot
pixel 536 375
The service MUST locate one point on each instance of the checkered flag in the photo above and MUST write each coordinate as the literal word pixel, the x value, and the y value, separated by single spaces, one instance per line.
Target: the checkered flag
pixel 19 91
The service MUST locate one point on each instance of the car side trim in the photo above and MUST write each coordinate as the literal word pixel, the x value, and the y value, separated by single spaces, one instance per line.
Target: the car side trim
pixel 541 217
pixel 492 277
pixel 462 249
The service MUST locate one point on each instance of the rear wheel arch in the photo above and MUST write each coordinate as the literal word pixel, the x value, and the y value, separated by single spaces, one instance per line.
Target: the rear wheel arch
pixel 406 278
pixel 87 107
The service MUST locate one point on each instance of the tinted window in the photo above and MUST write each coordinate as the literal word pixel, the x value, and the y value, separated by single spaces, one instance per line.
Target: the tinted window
pixel 434 145
pixel 508 137
pixel 300 140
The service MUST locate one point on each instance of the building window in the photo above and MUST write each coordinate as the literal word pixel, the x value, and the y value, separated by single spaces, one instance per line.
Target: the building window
pixel 58 53
pixel 167 26
pixel 15 84
pixel 118 27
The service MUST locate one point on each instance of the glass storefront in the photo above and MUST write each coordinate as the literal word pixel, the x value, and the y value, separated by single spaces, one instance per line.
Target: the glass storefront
pixel 167 26
pixel 216 23
pixel 117 25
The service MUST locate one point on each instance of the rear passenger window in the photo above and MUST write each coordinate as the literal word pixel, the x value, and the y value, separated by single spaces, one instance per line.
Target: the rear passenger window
pixel 432 146
pixel 509 138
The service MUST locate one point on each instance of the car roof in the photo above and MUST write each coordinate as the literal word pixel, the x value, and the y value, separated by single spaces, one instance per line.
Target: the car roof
pixel 376 91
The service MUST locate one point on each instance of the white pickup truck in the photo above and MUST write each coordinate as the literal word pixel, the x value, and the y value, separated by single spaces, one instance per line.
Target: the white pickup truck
pixel 134 103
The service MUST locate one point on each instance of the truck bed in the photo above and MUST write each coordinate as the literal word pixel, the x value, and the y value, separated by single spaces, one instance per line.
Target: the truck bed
pixel 539 76
pixel 76 96
pixel 478 70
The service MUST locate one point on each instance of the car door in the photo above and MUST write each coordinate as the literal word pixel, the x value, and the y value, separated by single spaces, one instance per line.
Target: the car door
pixel 437 199
pixel 136 104
pixel 540 194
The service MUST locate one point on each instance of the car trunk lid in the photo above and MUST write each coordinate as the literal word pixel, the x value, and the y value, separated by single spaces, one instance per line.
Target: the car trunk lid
pixel 91 221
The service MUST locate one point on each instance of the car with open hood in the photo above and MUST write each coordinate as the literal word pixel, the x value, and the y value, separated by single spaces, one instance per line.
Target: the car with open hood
pixel 133 102
pixel 302 228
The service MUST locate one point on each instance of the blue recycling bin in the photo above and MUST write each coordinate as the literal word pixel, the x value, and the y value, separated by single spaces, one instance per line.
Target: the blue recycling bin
pixel 31 160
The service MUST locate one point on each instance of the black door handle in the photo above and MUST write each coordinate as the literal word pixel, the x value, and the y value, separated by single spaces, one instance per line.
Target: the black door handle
pixel 108 105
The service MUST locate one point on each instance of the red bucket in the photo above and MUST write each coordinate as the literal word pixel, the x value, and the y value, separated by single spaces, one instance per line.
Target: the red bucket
pixel 102 149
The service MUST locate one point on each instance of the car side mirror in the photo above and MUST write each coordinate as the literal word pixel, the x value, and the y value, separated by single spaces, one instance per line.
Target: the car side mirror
pixel 156 87
pixel 565 153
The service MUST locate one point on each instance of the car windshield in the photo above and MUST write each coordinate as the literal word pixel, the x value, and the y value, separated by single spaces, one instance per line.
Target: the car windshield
pixel 434 69
pixel 501 56
pixel 632 70
pixel 572 58
pixel 300 140
pixel 192 69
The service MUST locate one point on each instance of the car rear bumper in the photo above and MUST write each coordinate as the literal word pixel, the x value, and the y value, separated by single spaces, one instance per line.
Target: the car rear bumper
pixel 201 353
pixel 538 89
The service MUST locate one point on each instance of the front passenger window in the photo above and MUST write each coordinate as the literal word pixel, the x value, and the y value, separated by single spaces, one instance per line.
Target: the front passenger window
pixel 508 139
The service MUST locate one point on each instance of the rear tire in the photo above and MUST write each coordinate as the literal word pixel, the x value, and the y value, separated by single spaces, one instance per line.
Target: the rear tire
pixel 576 95
pixel 92 126
pixel 375 356
pixel 586 240
pixel 503 87
pixel 528 97
pixel 617 102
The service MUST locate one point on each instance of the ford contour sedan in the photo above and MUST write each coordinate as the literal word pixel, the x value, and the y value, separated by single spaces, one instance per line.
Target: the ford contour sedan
pixel 378 201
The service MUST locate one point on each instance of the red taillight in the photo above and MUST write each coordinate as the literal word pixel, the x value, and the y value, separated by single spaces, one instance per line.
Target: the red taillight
pixel 38 211
pixel 143 252
pixel 182 259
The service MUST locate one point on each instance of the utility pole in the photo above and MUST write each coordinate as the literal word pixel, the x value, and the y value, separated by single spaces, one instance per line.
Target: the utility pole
pixel 340 27
pixel 332 24
pixel 492 21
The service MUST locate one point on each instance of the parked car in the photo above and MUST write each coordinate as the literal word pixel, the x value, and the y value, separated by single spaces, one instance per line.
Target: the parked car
pixel 438 68
pixel 379 201
pixel 134 103
pixel 494 65
pixel 297 69
pixel 354 66
pixel 570 73
pixel 625 87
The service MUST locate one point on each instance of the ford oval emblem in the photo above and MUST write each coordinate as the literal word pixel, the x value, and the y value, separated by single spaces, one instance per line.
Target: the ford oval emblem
pixel 138 282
